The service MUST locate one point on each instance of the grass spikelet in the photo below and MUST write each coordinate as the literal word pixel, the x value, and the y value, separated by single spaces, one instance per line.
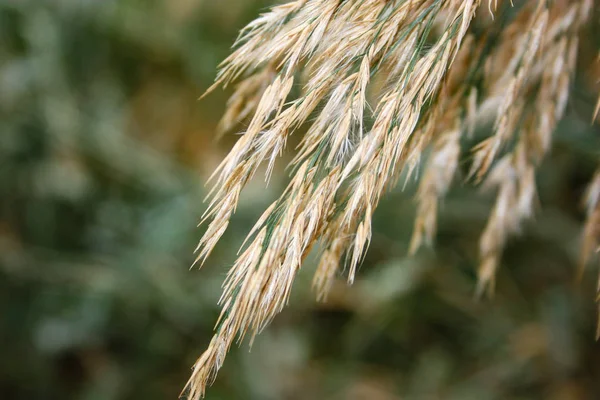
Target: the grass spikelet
pixel 551 71
pixel 591 232
pixel 446 65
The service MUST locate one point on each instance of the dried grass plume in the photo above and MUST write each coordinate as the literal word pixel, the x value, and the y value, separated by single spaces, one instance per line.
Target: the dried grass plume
pixel 374 84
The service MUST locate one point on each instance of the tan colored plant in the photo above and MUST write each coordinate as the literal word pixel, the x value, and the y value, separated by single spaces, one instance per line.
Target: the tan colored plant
pixel 446 66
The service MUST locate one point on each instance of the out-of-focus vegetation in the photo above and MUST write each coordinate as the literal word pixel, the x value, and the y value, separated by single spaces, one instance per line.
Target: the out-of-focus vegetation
pixel 104 152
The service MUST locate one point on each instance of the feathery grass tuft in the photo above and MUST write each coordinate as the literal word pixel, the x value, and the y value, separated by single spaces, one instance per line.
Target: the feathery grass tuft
pixel 446 67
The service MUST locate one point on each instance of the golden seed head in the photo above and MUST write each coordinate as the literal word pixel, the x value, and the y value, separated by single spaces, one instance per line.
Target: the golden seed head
pixel 375 98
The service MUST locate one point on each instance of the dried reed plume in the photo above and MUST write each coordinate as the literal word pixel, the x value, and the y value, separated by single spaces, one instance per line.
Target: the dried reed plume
pixel 381 82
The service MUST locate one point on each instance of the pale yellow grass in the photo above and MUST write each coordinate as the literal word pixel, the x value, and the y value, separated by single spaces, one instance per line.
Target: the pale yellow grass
pixel 441 78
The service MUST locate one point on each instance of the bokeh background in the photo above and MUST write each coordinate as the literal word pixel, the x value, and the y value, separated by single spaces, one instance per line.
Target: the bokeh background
pixel 104 152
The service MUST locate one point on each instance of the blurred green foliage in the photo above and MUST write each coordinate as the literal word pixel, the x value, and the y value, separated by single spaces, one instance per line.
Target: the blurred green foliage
pixel 104 152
